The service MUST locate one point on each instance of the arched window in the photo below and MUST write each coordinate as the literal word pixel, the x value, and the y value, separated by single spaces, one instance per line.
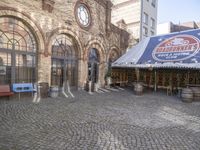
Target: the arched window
pixel 18 51
pixel 113 57
pixel 64 61
pixel 93 65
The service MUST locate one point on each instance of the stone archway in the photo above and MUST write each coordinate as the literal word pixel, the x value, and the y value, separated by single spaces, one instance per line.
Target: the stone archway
pixel 68 31
pixel 113 54
pixel 37 35
pixel 67 43
pixel 100 49
pixel 8 11
pixel 93 66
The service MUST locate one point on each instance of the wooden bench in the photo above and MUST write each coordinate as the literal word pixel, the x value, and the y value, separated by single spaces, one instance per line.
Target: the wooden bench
pixel 5 91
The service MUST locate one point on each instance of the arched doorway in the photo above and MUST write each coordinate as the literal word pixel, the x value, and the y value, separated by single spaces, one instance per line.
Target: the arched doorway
pixel 17 52
pixel 64 67
pixel 113 56
pixel 93 65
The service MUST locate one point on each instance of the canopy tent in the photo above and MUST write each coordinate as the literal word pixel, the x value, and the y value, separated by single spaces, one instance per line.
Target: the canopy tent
pixel 179 50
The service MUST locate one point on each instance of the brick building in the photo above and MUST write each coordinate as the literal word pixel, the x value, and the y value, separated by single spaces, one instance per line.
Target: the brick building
pixel 58 40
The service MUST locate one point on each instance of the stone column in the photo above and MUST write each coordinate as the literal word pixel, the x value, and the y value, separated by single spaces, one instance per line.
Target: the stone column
pixel 44 68
pixel 82 73
pixel 102 66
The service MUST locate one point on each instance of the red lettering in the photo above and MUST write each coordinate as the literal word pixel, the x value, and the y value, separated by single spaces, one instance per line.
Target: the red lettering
pixel 190 47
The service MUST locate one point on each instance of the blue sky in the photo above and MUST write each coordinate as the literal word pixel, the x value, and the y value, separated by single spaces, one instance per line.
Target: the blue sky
pixel 178 11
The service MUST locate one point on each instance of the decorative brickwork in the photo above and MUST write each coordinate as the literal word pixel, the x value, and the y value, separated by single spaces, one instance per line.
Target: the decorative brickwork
pixel 101 35
pixel 48 5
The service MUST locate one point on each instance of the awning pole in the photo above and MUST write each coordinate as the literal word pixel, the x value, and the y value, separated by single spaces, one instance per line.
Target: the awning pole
pixel 155 83
pixel 137 71
pixel 188 75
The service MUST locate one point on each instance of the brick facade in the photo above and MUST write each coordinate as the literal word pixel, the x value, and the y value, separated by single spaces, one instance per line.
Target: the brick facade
pixel 48 18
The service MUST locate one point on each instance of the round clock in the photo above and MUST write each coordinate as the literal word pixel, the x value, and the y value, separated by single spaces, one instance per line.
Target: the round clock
pixel 83 15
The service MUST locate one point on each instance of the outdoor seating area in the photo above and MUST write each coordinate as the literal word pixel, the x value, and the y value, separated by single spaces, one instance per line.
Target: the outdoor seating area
pixel 171 81
pixel 168 62
pixel 119 77
pixel 23 89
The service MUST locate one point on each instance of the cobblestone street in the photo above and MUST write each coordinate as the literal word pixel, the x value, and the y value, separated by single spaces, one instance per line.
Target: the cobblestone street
pixel 115 120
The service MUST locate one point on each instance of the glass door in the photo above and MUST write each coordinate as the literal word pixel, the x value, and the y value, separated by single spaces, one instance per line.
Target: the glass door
pixel 57 72
pixel 93 66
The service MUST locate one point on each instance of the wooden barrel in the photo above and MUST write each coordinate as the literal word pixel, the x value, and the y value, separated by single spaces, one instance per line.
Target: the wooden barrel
pixel 87 86
pixel 44 89
pixel 187 95
pixel 138 88
pixel 196 93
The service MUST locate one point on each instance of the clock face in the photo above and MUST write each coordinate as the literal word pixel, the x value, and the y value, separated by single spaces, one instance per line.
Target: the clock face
pixel 83 15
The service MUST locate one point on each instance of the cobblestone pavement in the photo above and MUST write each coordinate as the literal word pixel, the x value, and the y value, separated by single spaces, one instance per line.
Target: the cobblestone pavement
pixel 116 120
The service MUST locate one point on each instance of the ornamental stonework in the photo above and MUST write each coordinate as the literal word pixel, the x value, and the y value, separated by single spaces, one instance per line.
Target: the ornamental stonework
pixel 48 5
pixel 49 18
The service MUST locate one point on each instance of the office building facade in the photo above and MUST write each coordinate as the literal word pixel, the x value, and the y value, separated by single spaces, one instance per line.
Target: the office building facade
pixel 140 16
